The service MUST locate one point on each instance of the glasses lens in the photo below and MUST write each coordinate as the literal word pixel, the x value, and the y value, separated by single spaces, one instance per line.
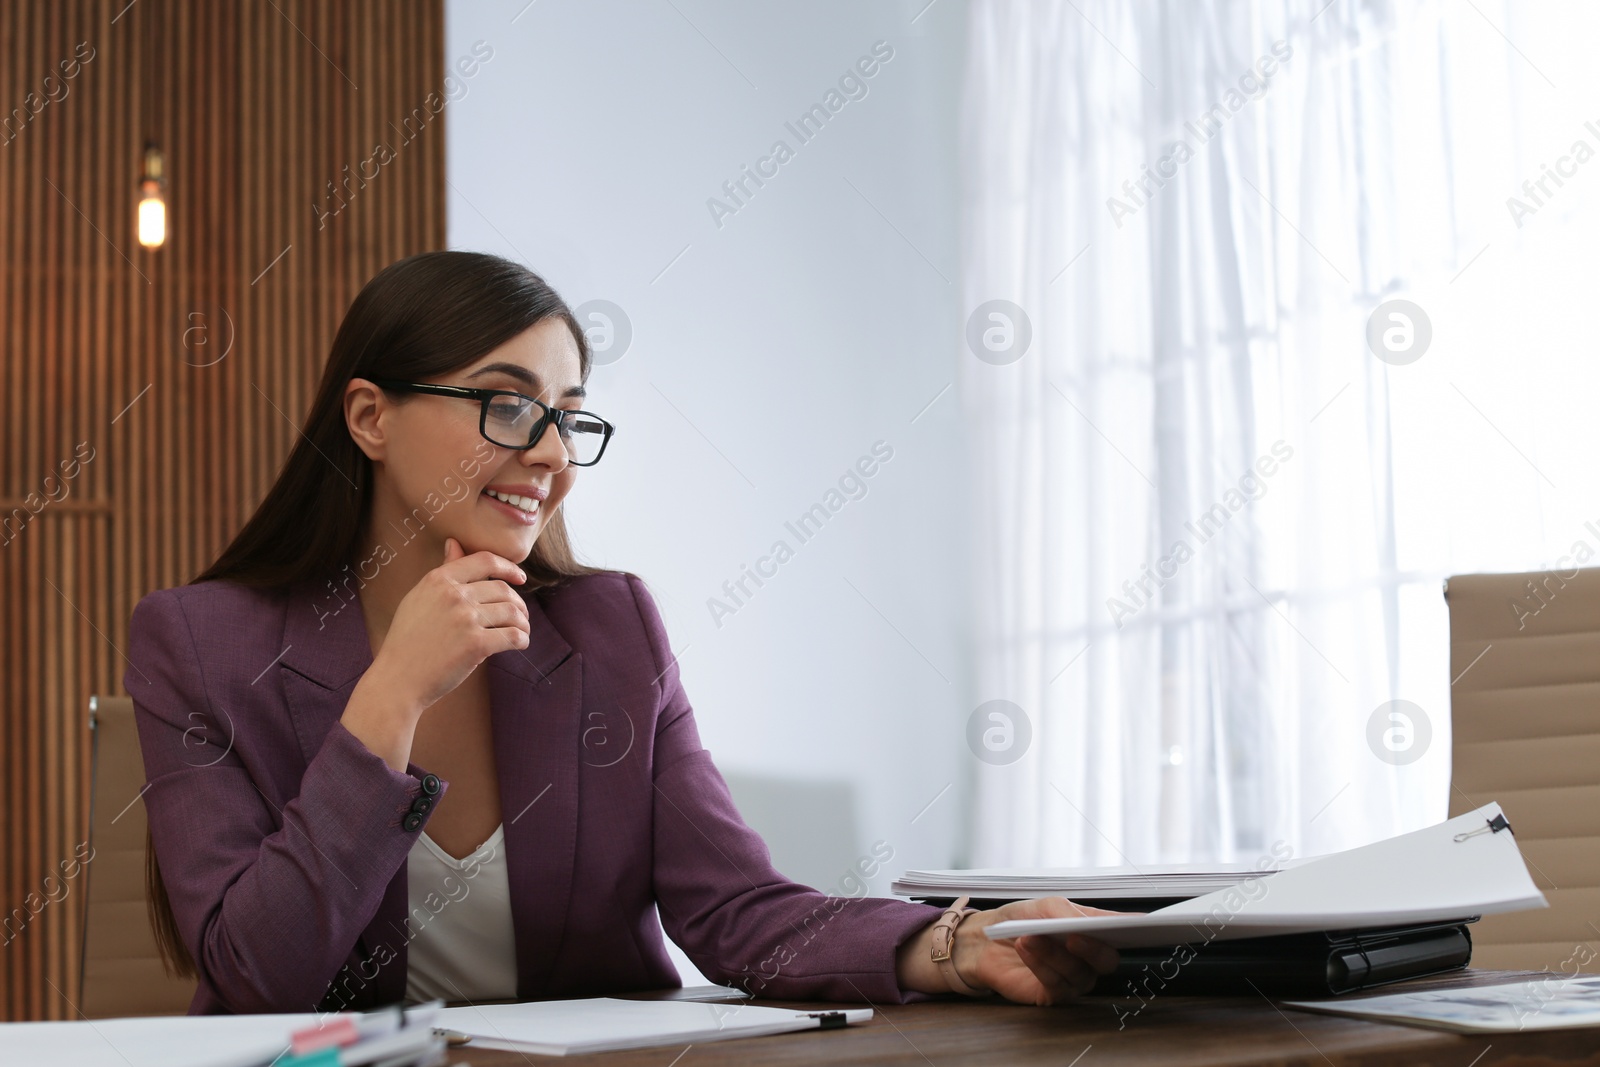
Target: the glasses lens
pixel 510 420
pixel 584 435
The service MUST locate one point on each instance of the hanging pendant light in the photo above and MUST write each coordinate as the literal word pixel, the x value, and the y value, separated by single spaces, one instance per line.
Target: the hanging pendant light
pixel 152 204
pixel 152 214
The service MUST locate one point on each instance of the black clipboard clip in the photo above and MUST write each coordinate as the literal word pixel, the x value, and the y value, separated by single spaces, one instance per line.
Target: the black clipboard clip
pixel 1493 826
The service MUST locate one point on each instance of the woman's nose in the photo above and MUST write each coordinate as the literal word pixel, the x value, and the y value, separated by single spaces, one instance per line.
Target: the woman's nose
pixel 549 451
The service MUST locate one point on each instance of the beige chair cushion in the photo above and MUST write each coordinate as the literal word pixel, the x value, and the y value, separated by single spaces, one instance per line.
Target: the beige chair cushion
pixel 122 971
pixel 1525 714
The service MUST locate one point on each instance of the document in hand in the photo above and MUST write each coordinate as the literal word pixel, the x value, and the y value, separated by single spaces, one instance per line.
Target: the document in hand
pixel 604 1024
pixel 1465 867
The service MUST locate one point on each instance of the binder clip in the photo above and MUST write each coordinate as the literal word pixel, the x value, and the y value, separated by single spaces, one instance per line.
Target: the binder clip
pixel 1493 826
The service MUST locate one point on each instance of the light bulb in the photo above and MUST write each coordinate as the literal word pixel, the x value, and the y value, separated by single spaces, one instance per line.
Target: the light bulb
pixel 152 205
pixel 152 216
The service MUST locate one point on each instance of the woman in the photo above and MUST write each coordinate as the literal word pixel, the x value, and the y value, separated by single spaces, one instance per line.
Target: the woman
pixel 400 744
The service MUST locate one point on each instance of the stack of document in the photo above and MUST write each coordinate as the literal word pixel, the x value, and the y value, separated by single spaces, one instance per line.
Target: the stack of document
pixel 391 1036
pixel 1463 868
pixel 1549 1002
pixel 604 1024
pixel 1171 881
pixel 1385 912
pixel 385 1038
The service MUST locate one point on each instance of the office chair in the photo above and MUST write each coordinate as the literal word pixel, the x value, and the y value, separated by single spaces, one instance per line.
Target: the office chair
pixel 1525 713
pixel 122 973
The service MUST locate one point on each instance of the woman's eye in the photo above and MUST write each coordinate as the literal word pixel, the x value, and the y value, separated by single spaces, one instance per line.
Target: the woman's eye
pixel 508 409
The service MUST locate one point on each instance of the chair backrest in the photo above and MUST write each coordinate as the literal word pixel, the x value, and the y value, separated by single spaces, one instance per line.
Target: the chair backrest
pixel 1525 714
pixel 809 825
pixel 122 972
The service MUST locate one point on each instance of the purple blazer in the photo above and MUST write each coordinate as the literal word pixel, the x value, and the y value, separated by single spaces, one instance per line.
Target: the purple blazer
pixel 283 840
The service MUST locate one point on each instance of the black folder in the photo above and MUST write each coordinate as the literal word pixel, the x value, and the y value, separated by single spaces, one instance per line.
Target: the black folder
pixel 1320 964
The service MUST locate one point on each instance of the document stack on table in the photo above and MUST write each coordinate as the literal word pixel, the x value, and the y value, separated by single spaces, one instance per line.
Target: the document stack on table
pixel 1384 912
pixel 412 1037
pixel 605 1024
pixel 1555 1001
pixel 1129 888
pixel 389 1037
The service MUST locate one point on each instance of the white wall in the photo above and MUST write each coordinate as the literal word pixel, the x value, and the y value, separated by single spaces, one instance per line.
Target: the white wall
pixel 765 360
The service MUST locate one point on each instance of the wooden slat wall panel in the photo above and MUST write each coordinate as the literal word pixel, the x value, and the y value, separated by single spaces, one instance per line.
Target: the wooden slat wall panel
pixel 257 105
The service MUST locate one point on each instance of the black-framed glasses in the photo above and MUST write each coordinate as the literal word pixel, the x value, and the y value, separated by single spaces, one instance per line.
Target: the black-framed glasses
pixel 516 420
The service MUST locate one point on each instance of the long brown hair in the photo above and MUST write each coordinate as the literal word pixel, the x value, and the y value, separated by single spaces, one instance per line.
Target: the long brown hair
pixel 423 316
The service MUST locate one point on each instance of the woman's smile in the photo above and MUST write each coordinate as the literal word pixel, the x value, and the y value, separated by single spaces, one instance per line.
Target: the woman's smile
pixel 521 506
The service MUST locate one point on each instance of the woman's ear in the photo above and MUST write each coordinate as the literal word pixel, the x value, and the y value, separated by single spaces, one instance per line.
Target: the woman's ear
pixel 364 408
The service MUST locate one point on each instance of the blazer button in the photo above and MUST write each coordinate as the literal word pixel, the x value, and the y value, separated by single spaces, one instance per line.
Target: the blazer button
pixel 411 821
pixel 422 805
pixel 430 784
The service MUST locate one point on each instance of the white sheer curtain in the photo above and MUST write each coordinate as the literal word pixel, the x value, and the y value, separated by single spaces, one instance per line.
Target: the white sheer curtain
pixel 1208 549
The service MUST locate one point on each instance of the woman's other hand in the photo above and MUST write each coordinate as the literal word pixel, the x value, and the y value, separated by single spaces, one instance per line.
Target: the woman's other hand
pixel 1036 969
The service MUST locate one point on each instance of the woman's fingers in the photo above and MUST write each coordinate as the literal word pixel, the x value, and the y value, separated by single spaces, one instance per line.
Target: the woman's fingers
pixel 1063 966
pixel 1078 960
pixel 1053 908
pixel 1099 955
pixel 483 565
pixel 491 593
pixel 1062 974
pixel 497 614
pixel 1084 909
pixel 1052 986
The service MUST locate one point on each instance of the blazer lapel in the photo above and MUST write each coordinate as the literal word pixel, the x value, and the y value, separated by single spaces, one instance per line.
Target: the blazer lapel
pixel 536 700
pixel 326 652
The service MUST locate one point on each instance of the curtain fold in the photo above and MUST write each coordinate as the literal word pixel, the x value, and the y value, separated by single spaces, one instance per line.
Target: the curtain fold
pixel 1188 573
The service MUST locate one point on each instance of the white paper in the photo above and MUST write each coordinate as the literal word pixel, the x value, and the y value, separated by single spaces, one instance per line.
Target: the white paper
pixel 1100 883
pixel 193 1040
pixel 562 1027
pixel 1424 876
pixel 153 1041
pixel 1554 1002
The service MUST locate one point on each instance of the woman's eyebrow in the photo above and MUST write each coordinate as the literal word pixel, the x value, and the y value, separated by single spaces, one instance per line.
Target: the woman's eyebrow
pixel 523 375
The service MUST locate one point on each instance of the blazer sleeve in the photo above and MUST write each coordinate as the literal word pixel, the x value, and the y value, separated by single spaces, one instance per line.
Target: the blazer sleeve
pixel 738 919
pixel 269 901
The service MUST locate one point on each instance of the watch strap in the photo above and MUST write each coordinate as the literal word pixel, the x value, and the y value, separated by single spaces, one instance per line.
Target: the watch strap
pixel 943 947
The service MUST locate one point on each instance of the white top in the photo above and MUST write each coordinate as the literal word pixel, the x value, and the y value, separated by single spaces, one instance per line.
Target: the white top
pixel 462 945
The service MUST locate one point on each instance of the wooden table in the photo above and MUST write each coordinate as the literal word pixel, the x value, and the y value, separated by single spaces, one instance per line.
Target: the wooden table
pixel 1168 1030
